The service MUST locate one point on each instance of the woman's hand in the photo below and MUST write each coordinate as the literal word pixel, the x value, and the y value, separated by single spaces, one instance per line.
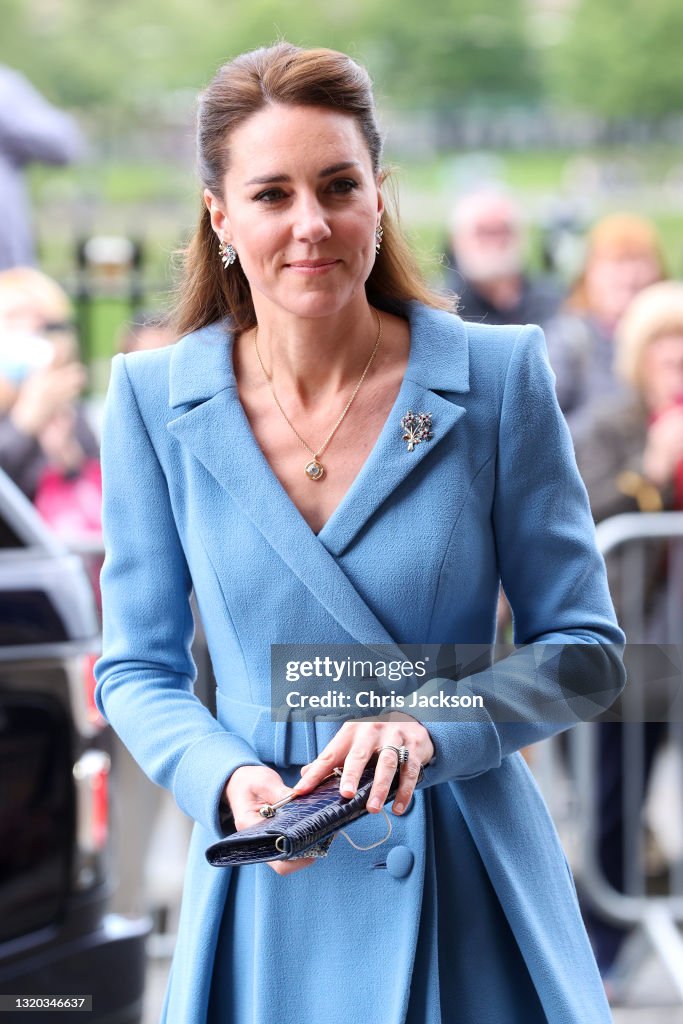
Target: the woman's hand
pixel 664 448
pixel 354 745
pixel 59 442
pixel 45 393
pixel 247 789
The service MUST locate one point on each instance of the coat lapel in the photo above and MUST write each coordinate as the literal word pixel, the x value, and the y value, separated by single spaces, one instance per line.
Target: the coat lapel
pixel 216 430
pixel 218 434
pixel 388 464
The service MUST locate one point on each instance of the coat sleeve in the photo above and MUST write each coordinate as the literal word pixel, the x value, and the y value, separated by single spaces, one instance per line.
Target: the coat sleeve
pixel 145 676
pixel 554 578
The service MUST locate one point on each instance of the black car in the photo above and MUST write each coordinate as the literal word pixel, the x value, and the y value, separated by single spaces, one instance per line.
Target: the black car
pixel 56 937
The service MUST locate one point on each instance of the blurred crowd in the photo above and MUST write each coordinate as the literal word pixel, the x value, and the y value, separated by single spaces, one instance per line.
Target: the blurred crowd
pixel 48 443
pixel 615 342
pixel 614 337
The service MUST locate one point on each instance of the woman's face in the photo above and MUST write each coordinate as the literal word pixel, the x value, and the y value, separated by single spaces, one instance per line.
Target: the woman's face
pixel 613 281
pixel 661 372
pixel 301 206
pixel 33 336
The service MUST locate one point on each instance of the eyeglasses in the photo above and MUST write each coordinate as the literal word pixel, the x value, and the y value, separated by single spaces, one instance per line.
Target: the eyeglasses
pixel 57 327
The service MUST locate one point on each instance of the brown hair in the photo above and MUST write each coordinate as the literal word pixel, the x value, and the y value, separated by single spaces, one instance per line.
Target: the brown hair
pixel 617 236
pixel 290 75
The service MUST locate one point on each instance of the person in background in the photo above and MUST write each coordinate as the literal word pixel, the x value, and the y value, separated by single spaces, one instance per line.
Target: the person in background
pixel 488 266
pixel 623 256
pixel 31 130
pixel 43 427
pixel 629 450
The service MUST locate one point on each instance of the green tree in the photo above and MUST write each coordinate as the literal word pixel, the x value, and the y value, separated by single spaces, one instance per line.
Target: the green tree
pixel 441 53
pixel 98 53
pixel 622 58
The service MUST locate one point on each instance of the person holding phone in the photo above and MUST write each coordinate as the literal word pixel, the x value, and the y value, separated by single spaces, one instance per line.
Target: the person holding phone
pixel 42 422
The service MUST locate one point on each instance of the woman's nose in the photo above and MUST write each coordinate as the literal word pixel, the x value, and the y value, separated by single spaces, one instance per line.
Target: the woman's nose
pixel 310 222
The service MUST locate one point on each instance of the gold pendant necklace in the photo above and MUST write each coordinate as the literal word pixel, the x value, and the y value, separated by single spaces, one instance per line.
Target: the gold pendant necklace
pixel 314 469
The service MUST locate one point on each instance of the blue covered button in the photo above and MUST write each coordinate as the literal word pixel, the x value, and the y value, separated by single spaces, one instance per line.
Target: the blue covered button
pixel 400 861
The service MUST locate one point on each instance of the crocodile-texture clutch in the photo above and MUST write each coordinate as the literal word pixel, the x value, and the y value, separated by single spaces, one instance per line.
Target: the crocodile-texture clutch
pixel 304 826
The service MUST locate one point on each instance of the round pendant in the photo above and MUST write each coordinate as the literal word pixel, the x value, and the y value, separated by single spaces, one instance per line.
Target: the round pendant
pixel 315 470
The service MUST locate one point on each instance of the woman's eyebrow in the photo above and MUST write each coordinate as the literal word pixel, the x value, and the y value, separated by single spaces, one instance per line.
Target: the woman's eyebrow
pixel 271 179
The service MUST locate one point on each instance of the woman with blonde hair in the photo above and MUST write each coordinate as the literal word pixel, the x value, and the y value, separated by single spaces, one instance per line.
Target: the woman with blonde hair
pixel 329 455
pixel 623 256
pixel 630 453
pixel 43 430
pixel 630 449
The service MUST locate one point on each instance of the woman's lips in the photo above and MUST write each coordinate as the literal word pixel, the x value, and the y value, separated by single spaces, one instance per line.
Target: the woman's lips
pixel 312 266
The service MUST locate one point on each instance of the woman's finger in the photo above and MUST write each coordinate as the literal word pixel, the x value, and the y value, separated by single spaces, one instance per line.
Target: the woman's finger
pixel 354 765
pixel 410 773
pixel 387 763
pixel 288 867
pixel 331 757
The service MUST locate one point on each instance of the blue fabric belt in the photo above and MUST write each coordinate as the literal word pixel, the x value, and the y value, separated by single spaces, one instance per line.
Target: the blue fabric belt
pixel 279 743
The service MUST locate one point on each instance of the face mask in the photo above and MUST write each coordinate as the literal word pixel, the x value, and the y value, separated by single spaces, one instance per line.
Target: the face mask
pixel 22 353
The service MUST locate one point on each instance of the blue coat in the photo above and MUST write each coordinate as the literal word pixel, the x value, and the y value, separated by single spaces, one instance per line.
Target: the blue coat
pixel 413 554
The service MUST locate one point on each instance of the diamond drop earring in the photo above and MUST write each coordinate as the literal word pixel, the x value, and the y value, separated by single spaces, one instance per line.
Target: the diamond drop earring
pixel 379 235
pixel 228 254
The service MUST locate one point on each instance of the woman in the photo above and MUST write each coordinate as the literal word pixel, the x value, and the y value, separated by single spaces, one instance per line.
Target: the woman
pixel 262 461
pixel 630 453
pixel 46 443
pixel 631 449
pixel 623 256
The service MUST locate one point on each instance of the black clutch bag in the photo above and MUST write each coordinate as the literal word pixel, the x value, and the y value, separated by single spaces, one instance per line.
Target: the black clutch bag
pixel 302 827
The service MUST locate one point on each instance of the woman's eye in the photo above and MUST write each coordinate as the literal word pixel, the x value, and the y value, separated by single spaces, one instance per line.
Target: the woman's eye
pixel 271 195
pixel 343 185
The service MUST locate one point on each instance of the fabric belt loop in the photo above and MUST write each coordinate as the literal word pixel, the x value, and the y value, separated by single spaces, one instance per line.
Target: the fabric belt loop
pixel 279 743
pixel 311 742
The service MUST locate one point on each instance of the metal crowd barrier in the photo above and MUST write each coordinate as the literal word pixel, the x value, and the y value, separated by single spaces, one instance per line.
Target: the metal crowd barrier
pixel 653 915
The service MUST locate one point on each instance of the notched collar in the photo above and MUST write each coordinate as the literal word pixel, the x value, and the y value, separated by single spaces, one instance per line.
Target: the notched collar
pixel 201 362
pixel 201 365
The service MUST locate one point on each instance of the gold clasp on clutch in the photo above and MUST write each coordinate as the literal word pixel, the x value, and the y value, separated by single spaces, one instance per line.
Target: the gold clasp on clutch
pixel 268 810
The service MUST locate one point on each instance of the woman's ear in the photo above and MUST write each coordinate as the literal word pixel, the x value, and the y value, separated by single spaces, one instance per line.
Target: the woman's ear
pixel 381 176
pixel 219 218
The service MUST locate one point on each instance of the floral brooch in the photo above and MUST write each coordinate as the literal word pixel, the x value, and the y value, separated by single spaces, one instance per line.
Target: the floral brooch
pixel 416 427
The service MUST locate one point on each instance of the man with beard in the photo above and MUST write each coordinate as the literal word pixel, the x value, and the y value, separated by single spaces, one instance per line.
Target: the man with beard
pixel 487 267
